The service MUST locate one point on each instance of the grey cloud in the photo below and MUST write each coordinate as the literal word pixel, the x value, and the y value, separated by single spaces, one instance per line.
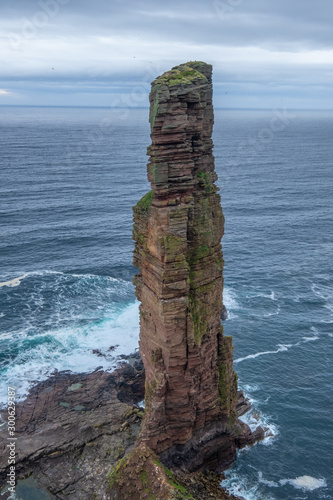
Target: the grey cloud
pixel 282 24
pixel 165 33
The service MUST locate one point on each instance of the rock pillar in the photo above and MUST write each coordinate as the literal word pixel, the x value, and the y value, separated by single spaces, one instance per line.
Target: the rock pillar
pixel 191 388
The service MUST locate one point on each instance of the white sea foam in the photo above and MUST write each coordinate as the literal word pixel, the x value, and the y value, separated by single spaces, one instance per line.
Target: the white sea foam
pixel 247 388
pixel 17 281
pixel 261 480
pixel 270 295
pixel 71 349
pixel 229 299
pixel 94 276
pixel 309 339
pixel 306 483
pixel 239 486
pixel 255 418
pixel 281 348
pixel 13 282
pixel 315 336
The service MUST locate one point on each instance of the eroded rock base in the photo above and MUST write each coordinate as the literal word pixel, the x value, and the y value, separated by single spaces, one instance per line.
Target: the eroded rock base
pixel 141 475
pixel 73 429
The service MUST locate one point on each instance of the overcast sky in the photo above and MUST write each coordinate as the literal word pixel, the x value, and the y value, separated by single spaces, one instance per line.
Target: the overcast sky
pixel 265 53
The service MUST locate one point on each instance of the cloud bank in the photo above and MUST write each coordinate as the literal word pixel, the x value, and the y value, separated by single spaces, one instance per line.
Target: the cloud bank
pixel 102 53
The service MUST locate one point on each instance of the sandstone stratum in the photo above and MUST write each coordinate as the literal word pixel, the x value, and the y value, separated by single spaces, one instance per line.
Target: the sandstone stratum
pixel 191 388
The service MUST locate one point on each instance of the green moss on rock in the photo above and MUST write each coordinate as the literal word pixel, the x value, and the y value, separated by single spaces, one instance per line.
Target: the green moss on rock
pixel 153 112
pixel 206 182
pixel 197 311
pixel 143 205
pixel 141 475
pixel 173 246
pixel 228 379
pixel 74 387
pixel 180 75
pixel 150 388
pixel 114 473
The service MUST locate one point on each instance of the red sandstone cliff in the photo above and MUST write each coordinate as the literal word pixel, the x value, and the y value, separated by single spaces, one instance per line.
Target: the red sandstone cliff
pixel 191 388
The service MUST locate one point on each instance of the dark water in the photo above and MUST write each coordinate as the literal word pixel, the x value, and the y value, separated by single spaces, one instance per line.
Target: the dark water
pixel 69 178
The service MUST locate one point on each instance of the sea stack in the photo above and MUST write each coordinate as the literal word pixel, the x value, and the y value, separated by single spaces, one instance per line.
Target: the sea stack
pixel 191 388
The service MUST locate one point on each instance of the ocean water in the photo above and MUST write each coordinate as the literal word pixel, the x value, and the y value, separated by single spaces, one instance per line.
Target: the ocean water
pixel 69 178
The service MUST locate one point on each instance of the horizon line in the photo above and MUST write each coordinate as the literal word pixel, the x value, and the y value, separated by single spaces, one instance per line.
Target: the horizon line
pixel 147 107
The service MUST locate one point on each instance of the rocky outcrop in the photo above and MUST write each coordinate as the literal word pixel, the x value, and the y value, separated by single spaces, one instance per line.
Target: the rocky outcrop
pixel 191 388
pixel 71 430
pixel 141 475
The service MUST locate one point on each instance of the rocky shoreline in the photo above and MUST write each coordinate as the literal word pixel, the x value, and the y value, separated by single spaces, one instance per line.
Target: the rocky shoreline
pixel 73 428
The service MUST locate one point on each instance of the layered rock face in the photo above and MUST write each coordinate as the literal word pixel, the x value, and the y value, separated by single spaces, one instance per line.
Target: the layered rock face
pixel 191 388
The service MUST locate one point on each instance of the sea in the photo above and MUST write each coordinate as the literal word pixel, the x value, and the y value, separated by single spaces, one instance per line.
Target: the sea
pixel 69 179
